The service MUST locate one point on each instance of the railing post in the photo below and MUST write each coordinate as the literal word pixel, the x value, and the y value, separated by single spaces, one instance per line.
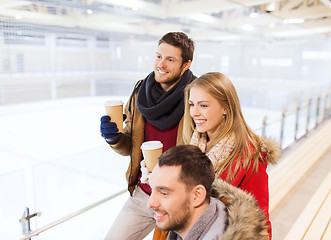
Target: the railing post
pixel 308 115
pixel 264 125
pixel 53 89
pixel 297 122
pixel 282 126
pixel 92 84
pixel 328 107
pixel 317 110
pixel 25 221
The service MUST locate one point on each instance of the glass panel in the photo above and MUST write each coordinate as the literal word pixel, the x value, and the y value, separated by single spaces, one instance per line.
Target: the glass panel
pixel 12 202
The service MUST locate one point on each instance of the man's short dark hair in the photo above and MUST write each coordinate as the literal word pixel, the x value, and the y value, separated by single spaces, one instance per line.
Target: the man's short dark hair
pixel 182 41
pixel 196 167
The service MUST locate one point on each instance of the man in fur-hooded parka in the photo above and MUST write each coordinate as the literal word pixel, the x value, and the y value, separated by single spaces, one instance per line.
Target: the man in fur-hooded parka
pixel 244 219
pixel 191 204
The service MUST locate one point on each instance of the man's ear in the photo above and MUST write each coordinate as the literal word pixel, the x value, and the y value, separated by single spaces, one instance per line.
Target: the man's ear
pixel 199 194
pixel 187 65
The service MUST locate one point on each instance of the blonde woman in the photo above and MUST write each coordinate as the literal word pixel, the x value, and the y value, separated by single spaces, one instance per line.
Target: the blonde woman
pixel 214 122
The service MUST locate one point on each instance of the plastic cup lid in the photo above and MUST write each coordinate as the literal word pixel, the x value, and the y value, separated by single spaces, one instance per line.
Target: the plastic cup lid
pixel 150 145
pixel 113 103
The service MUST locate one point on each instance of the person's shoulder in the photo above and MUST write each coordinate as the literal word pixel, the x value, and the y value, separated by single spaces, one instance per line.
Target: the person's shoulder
pixel 138 84
pixel 270 149
pixel 136 88
pixel 217 228
pixel 245 218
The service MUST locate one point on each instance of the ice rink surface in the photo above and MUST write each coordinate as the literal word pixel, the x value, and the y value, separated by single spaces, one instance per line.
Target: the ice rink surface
pixel 53 160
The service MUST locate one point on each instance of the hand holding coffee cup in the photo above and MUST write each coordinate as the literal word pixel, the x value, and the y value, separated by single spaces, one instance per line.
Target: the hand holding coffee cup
pixel 114 110
pixel 151 152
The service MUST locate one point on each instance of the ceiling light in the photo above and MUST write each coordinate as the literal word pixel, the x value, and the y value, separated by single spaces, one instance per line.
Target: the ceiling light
pixel 293 20
pixel 271 7
pixel 135 6
pixel 253 14
pixel 89 11
pixel 18 16
pixel 205 18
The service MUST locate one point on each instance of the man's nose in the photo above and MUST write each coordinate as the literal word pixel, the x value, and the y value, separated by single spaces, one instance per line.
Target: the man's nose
pixel 161 63
pixel 152 201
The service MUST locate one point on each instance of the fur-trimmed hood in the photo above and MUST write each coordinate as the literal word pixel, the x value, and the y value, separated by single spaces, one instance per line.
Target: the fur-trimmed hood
pixel 271 149
pixel 246 221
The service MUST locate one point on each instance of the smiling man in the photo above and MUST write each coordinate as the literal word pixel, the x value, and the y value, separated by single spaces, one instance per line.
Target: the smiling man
pixel 181 189
pixel 191 205
pixel 154 112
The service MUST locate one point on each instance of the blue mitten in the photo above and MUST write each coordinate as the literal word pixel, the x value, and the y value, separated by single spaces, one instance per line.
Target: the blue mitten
pixel 109 130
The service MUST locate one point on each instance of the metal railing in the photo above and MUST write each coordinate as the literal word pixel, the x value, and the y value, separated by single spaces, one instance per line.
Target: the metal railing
pixel 296 111
pixel 305 121
pixel 64 219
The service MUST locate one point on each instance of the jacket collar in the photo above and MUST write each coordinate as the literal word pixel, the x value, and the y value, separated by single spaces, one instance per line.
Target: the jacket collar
pixel 245 219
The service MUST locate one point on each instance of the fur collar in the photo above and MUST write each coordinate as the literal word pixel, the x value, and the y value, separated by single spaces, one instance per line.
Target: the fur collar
pixel 272 150
pixel 246 221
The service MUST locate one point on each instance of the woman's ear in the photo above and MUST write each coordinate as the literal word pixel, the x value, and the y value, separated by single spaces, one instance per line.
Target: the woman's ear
pixel 199 194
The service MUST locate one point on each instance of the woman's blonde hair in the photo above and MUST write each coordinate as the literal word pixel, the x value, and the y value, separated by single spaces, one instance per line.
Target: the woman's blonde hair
pixel 221 88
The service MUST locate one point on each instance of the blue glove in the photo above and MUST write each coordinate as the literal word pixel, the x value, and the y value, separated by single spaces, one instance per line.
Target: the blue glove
pixel 109 129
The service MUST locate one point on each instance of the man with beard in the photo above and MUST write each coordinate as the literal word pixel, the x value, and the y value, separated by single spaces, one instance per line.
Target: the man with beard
pixel 181 189
pixel 187 203
pixel 154 112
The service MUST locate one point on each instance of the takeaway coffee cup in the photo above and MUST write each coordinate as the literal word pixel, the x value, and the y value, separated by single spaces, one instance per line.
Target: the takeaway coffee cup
pixel 114 110
pixel 151 151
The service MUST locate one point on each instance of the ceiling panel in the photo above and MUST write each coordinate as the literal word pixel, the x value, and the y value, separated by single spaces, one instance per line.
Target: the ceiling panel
pixel 212 20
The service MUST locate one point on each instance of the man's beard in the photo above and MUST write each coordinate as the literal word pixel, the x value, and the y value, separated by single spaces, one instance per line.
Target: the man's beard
pixel 172 80
pixel 180 220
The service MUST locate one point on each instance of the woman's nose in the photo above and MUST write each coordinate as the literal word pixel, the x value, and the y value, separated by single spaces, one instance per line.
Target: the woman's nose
pixel 195 111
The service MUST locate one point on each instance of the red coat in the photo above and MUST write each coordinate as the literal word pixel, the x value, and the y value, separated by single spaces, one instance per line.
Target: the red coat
pixel 253 182
pixel 256 182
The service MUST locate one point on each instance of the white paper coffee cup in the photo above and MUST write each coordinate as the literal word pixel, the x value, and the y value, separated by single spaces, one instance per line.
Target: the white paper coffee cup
pixel 114 109
pixel 151 152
